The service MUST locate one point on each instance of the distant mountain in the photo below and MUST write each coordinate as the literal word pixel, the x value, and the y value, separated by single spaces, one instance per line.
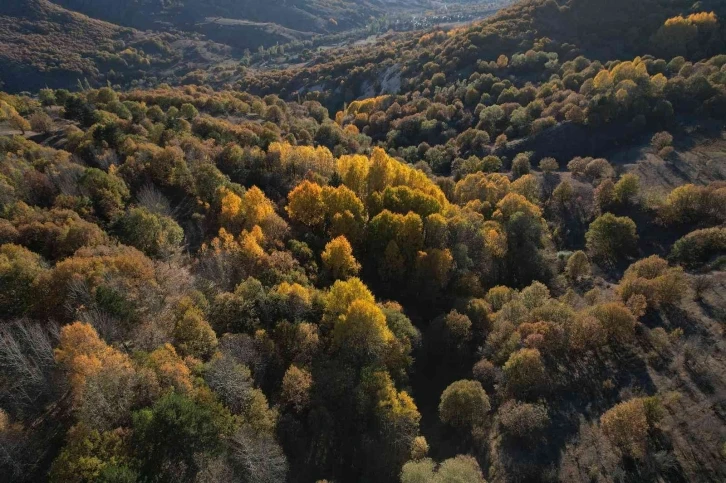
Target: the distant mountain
pixel 61 42
pixel 43 44
pixel 245 23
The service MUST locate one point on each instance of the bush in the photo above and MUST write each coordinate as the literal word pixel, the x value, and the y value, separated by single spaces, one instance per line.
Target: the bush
pixel 662 143
pixel 698 247
pixel 41 122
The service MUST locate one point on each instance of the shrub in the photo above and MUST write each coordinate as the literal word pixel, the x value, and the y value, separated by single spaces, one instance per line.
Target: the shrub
pixel 698 247
pixel 41 122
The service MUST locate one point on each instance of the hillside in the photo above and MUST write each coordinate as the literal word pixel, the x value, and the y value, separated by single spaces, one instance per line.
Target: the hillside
pixel 477 253
pixel 599 30
pixel 51 43
pixel 248 24
pixel 42 44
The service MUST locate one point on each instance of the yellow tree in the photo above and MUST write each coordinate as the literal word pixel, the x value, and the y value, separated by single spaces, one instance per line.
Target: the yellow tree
pixel 296 385
pixel 338 259
pixel 626 426
pixel 305 204
pixel 362 330
pixel 341 296
pixel 83 354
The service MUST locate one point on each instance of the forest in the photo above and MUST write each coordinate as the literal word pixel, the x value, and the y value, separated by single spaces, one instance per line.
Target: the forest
pixel 487 253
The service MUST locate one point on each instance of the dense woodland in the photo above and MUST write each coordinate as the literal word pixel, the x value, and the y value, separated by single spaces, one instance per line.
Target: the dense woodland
pixel 455 280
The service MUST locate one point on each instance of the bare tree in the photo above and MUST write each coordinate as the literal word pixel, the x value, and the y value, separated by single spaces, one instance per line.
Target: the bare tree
pixel 26 364
pixel 258 456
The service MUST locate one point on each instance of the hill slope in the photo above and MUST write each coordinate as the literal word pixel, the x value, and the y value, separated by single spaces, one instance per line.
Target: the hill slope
pixel 43 44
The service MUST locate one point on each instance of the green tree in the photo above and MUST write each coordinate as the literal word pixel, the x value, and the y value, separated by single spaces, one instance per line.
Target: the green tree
pixel 548 165
pixel 626 189
pixel 461 469
pixel 578 266
pixel 464 404
pixel 524 373
pixel 158 236
pixel 174 431
pixel 611 237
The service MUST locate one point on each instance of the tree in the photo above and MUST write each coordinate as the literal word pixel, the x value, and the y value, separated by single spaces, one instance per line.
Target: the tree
pixel 341 295
pixel 192 333
pixel 296 386
pixel 524 372
pixel 338 259
pixel 90 455
pixel 617 320
pixel 19 267
pixel 548 165
pixel 578 266
pixel 662 143
pixel 188 111
pixel 464 404
pixel 598 169
pixel 18 122
pixel 156 235
pixel 698 247
pixel 524 421
pixel 458 330
pixel 176 429
pixel 626 425
pixel 419 448
pixel 626 189
pixel 258 455
pixel 462 468
pixel 362 331
pixel 305 204
pixel 611 237
pixel 83 355
pixel 605 195
pixel 107 191
pixel 652 278
pixel 521 165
